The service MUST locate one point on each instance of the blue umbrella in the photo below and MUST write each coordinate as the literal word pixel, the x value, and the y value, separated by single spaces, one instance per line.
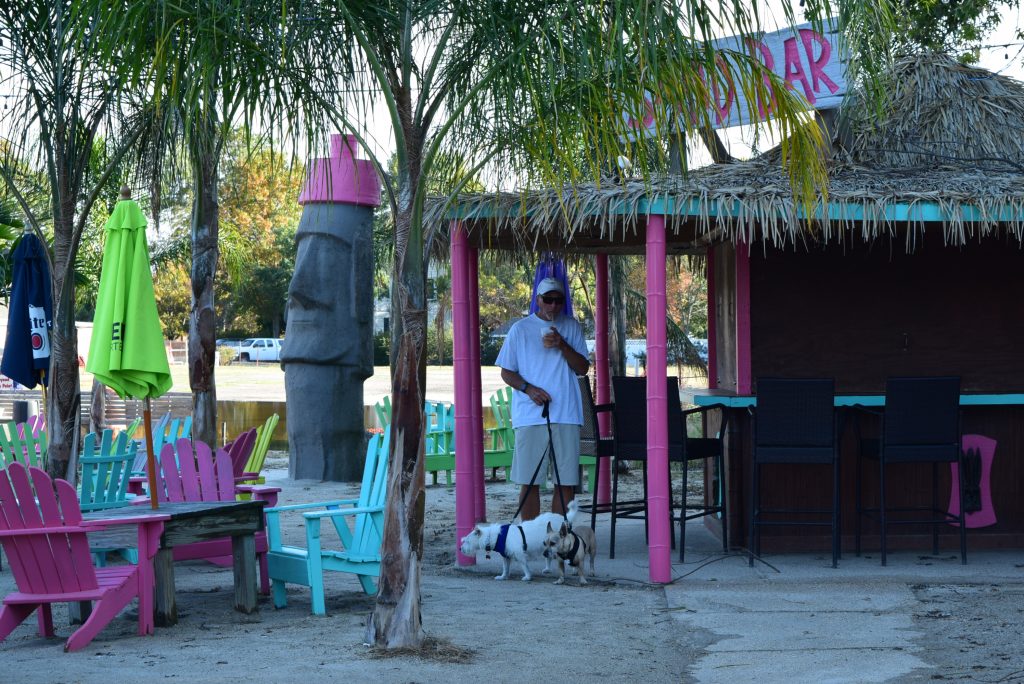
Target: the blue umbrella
pixel 30 315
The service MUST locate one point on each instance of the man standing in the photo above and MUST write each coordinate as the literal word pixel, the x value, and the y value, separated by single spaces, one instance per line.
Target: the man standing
pixel 540 359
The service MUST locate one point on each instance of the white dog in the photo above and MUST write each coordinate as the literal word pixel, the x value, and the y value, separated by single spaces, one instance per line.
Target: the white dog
pixel 521 542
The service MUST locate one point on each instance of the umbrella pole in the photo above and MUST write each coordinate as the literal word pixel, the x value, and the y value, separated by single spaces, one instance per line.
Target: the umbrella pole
pixel 147 418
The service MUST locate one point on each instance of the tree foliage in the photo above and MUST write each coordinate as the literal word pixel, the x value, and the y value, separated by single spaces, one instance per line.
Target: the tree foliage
pixel 953 26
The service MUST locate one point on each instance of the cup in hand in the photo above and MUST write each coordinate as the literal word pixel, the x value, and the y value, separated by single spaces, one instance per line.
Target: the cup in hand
pixel 545 332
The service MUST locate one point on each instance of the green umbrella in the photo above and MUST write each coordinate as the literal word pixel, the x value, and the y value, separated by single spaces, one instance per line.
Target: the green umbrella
pixel 127 350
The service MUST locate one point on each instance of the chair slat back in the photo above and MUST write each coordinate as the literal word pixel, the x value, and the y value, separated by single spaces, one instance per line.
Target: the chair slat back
pixel 198 474
pixel 365 536
pixel 795 412
pixel 241 449
pixel 43 562
pixel 629 417
pixel 106 469
pixel 922 411
pixel 22 443
pixel 264 435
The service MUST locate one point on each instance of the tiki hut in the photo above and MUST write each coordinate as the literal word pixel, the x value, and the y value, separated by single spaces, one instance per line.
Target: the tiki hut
pixel 910 264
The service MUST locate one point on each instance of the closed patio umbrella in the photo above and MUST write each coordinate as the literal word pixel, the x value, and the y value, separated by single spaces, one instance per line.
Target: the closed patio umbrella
pixel 30 315
pixel 127 351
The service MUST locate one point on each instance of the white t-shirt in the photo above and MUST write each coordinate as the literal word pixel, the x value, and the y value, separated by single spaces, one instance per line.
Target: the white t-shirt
pixel 524 353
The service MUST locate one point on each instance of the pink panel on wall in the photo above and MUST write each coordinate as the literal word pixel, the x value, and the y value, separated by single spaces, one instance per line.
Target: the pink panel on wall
pixel 743 370
pixel 987 515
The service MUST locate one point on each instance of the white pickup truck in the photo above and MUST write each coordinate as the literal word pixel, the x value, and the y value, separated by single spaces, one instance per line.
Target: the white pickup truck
pixel 260 349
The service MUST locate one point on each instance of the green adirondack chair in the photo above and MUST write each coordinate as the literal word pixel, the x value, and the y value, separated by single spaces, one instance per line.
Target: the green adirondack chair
pixel 502 435
pixel 24 443
pixel 264 434
pixel 440 440
pixel 383 410
pixel 359 551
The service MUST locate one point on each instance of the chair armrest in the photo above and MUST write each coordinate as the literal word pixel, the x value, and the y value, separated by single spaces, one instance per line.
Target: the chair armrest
pixel 319 504
pixel 342 511
pixel 705 409
pixel 139 500
pixel 257 489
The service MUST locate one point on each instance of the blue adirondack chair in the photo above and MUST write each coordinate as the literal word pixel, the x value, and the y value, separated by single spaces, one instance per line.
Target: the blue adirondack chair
pixel 360 544
pixel 165 431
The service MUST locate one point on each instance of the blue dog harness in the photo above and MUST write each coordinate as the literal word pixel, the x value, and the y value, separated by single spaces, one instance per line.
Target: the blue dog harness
pixel 499 545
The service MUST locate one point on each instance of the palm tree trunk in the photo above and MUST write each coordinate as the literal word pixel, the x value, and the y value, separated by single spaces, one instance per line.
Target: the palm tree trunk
pixel 396 621
pixel 64 399
pixel 202 322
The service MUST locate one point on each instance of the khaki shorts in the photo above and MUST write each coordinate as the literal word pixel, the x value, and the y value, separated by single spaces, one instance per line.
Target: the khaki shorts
pixel 532 445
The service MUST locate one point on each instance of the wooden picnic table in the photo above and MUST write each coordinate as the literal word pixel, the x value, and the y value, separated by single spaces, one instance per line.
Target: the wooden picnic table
pixel 191 522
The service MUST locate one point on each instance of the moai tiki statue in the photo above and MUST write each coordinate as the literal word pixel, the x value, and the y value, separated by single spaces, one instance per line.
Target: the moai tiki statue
pixel 328 348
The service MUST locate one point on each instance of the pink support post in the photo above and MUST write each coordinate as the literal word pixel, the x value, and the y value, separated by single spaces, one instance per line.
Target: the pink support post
pixel 712 321
pixel 743 370
pixel 462 361
pixel 601 370
pixel 479 473
pixel 659 531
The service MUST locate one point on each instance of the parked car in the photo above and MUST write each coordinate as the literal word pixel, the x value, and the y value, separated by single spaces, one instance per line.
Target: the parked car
pixel 260 349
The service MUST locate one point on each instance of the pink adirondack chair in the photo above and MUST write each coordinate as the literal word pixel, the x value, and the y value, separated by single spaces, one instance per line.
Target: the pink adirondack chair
pixel 45 541
pixel 239 451
pixel 199 474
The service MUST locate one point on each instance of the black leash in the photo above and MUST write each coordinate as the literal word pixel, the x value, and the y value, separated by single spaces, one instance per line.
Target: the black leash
pixel 558 480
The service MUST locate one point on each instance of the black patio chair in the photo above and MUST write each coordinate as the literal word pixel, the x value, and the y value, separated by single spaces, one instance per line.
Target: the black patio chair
pixel 629 418
pixel 593 445
pixel 920 424
pixel 794 423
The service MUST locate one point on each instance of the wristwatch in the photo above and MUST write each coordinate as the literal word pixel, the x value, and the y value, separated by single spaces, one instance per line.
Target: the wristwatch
pixel 524 386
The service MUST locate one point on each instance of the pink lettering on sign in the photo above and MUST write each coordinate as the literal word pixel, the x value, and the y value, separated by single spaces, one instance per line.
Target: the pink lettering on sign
pixel 769 63
pixel 804 60
pixel 809 37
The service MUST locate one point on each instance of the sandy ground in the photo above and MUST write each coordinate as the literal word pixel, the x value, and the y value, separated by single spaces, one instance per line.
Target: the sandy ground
pixel 796 620
pixel 479 629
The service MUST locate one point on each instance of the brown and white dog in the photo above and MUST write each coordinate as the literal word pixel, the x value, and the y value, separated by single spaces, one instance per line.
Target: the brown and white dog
pixel 572 545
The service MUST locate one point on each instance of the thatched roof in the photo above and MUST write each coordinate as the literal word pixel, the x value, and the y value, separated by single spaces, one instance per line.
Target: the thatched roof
pixel 948 156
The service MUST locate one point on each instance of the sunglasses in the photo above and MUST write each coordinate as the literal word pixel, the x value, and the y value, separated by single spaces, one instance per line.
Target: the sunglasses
pixel 552 300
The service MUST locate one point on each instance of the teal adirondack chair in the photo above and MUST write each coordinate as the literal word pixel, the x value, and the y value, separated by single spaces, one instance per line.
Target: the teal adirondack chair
pixel 359 552
pixel 106 463
pixel 23 443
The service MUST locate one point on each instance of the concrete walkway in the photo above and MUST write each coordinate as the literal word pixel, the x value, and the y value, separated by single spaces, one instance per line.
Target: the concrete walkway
pixel 794 618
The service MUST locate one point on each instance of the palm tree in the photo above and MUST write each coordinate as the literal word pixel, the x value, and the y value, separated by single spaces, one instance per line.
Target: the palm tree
pixel 214 65
pixel 533 88
pixel 59 95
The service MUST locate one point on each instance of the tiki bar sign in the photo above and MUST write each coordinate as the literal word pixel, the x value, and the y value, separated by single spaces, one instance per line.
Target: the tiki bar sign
pixel 807 61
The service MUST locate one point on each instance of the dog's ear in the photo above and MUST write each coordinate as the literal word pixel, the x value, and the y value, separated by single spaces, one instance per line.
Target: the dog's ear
pixel 478 532
pixel 564 530
pixel 549 527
